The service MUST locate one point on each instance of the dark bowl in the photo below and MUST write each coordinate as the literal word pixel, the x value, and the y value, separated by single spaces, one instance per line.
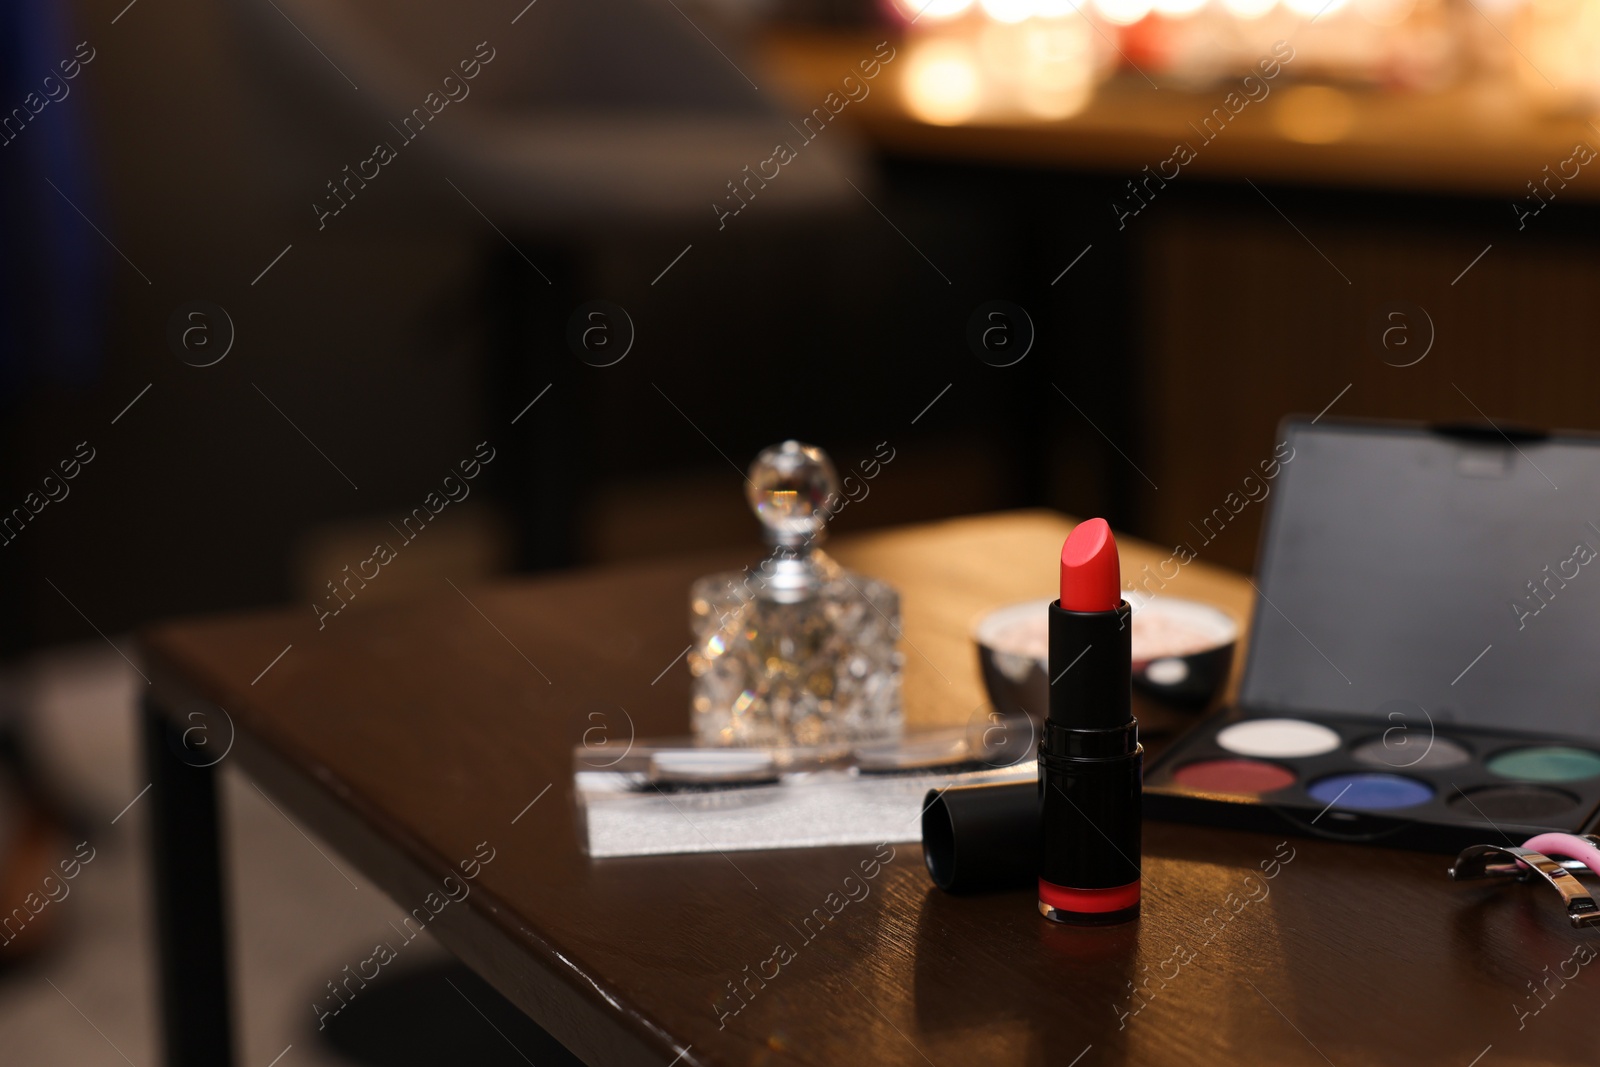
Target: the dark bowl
pixel 1013 675
pixel 1204 638
pixel 1013 657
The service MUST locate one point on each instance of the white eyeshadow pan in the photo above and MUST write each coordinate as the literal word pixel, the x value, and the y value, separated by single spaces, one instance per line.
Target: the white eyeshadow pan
pixel 1277 738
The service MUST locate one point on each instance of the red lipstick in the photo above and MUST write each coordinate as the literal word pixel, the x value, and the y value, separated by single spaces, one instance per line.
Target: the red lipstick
pixel 1090 760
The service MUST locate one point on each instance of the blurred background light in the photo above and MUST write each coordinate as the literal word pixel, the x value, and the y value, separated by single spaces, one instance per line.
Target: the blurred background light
pixel 932 10
pixel 1315 9
pixel 1385 13
pixel 942 83
pixel 1046 67
pixel 1122 12
pixel 1178 8
pixel 1009 10
pixel 1249 9
pixel 1314 114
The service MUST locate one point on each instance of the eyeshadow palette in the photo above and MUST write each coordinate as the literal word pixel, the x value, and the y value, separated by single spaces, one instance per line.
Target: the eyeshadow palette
pixel 1422 669
pixel 1344 778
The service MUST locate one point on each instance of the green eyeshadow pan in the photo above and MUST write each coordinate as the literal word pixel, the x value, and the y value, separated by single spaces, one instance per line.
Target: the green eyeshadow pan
pixel 1546 763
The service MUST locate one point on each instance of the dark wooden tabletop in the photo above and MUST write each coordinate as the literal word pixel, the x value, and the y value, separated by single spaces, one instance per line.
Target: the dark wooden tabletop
pixel 406 736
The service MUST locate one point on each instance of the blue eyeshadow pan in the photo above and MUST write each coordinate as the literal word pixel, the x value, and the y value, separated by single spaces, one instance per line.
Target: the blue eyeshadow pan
pixel 1370 791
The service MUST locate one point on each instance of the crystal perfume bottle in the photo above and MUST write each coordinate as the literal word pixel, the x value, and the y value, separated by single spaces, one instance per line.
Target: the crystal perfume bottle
pixel 795 650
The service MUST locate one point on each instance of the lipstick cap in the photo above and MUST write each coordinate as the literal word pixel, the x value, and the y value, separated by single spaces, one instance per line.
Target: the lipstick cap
pixel 982 837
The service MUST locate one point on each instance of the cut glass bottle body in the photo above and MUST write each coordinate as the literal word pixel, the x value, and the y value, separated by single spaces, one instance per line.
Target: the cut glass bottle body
pixel 820 670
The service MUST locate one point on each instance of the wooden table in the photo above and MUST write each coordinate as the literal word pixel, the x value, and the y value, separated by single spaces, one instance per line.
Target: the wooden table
pixel 406 736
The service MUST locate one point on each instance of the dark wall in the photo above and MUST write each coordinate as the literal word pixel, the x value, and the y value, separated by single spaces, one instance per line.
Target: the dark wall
pixel 367 362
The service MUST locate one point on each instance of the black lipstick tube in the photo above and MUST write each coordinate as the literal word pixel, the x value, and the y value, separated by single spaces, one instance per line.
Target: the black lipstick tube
pixel 1090 772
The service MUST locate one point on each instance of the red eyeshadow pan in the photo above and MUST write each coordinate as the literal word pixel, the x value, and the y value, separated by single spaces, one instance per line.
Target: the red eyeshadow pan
pixel 1242 777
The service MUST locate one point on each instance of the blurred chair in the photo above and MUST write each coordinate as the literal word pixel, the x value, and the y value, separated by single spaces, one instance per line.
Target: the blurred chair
pixel 592 117
pixel 613 113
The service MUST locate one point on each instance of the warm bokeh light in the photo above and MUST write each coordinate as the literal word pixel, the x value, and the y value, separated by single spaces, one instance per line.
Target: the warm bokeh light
pixel 1040 67
pixel 1058 54
pixel 934 10
pixel 1403 45
pixel 1315 9
pixel 1122 12
pixel 1047 67
pixel 1314 114
pixel 1008 10
pixel 1048 101
pixel 1385 13
pixel 941 82
pixel 1562 42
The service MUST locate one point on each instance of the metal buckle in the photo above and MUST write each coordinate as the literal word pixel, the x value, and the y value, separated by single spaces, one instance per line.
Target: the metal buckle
pixel 1496 861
